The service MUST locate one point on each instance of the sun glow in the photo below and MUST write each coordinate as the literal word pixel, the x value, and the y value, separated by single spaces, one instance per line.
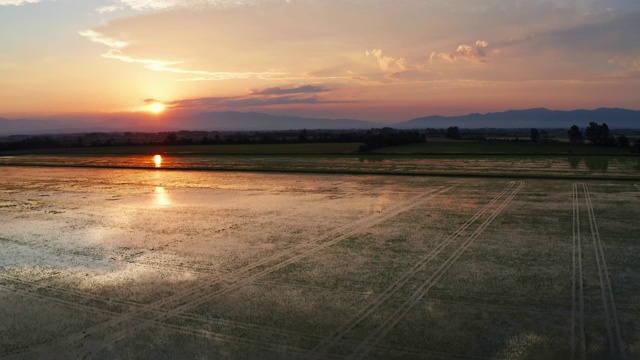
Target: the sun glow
pixel 156 108
pixel 162 196
pixel 157 159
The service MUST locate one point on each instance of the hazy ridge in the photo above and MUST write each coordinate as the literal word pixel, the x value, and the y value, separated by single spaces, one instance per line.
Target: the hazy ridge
pixel 240 121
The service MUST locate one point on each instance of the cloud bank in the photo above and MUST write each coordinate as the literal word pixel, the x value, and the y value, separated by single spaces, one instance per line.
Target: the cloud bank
pixel 18 2
pixel 375 56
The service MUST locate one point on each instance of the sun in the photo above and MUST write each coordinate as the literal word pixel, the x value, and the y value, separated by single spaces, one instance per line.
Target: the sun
pixel 156 108
pixel 157 160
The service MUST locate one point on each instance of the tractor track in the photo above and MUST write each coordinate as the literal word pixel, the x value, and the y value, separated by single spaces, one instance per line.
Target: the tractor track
pixel 612 324
pixel 370 342
pixel 577 292
pixel 321 350
pixel 219 285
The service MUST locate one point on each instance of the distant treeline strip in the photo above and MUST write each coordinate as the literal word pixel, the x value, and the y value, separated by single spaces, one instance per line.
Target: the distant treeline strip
pixel 371 139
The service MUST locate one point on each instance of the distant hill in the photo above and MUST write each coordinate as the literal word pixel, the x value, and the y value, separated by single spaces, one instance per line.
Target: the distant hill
pixel 538 118
pixel 8 127
pixel 232 120
pixel 239 121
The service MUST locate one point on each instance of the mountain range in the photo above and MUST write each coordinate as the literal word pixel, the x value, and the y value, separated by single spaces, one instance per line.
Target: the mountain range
pixel 238 121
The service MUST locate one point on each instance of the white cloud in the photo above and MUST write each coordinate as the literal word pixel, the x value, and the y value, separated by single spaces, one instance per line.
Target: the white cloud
pixel 199 75
pixel 116 52
pixel 141 5
pixel 475 53
pixel 18 2
pixel 100 38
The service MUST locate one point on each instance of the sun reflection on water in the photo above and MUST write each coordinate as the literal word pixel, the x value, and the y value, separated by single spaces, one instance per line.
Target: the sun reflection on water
pixel 162 196
pixel 157 159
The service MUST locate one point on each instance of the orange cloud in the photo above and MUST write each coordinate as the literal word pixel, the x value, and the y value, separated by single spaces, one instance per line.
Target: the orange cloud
pixel 388 63
pixel 474 53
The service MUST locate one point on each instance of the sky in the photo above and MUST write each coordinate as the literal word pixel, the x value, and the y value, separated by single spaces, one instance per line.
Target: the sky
pixel 381 60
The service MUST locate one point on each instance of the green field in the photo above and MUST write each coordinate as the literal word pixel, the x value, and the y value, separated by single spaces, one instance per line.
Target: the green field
pixel 126 263
pixel 480 165
pixel 502 147
pixel 430 148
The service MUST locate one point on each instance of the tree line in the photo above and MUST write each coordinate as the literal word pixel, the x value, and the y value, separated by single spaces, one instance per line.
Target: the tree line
pixel 599 135
pixel 594 134
pixel 371 139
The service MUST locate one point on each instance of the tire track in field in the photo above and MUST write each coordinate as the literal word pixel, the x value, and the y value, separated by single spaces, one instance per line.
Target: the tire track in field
pixel 577 293
pixel 304 336
pixel 180 269
pixel 363 223
pixel 254 329
pixel 202 332
pixel 233 284
pixel 225 283
pixel 300 351
pixel 370 342
pixel 153 263
pixel 35 286
pixel 52 299
pixel 466 304
pixel 612 323
pixel 180 328
pixel 321 349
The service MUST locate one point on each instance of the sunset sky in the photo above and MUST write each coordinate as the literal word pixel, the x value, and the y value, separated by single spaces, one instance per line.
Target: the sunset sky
pixel 384 60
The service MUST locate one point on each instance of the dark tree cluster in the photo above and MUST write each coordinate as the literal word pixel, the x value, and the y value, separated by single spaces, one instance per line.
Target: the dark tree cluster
pixel 453 132
pixel 535 135
pixel 36 142
pixel 378 138
pixel 373 138
pixel 598 135
pixel 575 135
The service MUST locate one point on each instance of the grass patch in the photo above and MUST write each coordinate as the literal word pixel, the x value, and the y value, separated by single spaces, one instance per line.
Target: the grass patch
pixel 500 147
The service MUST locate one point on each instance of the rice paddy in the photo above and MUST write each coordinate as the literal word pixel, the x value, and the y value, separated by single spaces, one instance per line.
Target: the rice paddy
pixel 107 263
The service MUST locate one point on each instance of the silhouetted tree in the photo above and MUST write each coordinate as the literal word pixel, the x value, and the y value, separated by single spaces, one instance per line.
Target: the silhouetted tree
pixel 171 138
pixel 303 135
pixel 453 132
pixel 575 135
pixel 544 135
pixel 535 135
pixel 623 141
pixel 594 133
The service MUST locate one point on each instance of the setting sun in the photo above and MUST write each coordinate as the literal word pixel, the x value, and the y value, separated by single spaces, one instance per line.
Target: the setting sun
pixel 157 159
pixel 157 108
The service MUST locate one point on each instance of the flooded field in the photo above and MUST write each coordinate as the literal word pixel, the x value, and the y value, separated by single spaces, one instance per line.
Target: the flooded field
pixel 620 167
pixel 130 263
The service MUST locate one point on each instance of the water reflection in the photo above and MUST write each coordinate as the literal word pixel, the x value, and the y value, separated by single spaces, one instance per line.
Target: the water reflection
pixel 157 159
pixel 597 163
pixel 574 162
pixel 371 158
pixel 593 163
pixel 162 196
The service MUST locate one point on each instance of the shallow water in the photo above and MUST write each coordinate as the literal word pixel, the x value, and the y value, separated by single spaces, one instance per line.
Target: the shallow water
pixel 210 264
pixel 620 167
